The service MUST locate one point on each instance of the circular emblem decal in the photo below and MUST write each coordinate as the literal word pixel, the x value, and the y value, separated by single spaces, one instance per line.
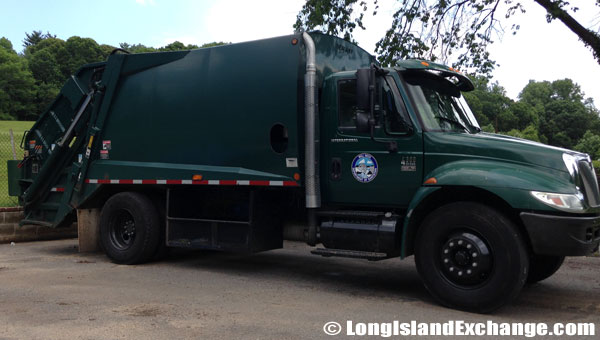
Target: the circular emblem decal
pixel 364 168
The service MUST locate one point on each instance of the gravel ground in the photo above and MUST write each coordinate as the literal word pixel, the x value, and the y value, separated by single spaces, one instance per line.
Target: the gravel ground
pixel 50 291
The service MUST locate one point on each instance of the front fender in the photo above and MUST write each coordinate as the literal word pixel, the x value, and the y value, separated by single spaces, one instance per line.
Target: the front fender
pixel 495 174
pixel 509 182
pixel 419 196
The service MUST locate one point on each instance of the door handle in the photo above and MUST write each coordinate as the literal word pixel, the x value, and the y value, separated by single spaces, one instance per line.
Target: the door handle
pixel 336 169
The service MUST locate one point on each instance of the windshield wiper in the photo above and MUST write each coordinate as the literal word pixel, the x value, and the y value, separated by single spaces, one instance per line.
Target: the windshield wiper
pixel 477 128
pixel 455 122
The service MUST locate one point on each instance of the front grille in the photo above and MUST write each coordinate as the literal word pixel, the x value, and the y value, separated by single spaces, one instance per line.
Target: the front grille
pixel 589 183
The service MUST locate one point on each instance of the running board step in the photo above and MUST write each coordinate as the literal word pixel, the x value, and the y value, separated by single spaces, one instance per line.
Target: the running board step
pixel 354 254
pixel 351 214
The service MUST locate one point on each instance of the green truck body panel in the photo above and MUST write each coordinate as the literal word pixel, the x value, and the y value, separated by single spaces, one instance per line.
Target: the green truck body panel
pixel 173 115
pixel 14 175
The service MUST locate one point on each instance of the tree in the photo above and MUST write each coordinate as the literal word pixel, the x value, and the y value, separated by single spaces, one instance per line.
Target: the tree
pixel 47 61
pixel 35 37
pixel 16 85
pixel 529 132
pixel 174 46
pixel 438 29
pixel 489 103
pixel 214 43
pixel 52 61
pixel 136 48
pixel 177 46
pixel 6 44
pixel 526 115
pixel 564 116
pixel 81 51
pixel 106 50
pixel 590 144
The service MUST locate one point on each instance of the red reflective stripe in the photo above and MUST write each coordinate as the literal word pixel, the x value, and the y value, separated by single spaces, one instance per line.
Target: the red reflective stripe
pixel 227 182
pixel 173 181
pixel 263 183
pixel 290 184
pixel 125 181
pixel 148 181
pixel 104 181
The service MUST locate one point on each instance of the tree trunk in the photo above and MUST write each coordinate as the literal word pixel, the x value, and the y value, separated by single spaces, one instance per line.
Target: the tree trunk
pixel 590 38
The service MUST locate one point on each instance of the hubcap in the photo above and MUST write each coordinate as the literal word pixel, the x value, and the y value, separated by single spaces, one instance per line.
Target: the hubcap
pixel 466 259
pixel 122 230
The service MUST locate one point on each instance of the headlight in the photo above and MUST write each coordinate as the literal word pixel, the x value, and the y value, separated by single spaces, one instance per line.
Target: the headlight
pixel 570 163
pixel 565 202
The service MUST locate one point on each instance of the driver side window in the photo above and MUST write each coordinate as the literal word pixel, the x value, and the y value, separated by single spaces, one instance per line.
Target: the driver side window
pixel 347 104
pixel 347 108
pixel 395 117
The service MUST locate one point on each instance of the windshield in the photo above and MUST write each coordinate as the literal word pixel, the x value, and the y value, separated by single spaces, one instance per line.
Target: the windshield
pixel 440 104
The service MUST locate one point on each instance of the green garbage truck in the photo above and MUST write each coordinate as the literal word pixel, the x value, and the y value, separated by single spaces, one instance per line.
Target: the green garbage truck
pixel 222 148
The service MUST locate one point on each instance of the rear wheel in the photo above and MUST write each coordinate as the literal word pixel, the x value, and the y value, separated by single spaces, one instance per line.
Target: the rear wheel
pixel 471 257
pixel 543 266
pixel 129 228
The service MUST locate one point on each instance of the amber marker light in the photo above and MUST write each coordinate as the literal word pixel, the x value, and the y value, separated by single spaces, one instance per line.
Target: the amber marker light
pixel 424 63
pixel 197 177
pixel 431 180
pixel 294 41
pixel 297 176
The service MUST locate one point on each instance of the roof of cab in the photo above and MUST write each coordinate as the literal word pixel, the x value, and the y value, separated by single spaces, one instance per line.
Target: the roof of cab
pixel 462 81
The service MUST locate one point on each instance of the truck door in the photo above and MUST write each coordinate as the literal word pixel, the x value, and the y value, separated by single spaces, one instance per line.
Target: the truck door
pixel 361 171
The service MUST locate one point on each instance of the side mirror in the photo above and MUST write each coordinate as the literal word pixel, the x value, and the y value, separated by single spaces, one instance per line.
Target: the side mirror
pixel 363 81
pixel 363 121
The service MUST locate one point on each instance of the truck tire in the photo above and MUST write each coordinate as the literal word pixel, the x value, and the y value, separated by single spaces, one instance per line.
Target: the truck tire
pixel 129 228
pixel 471 257
pixel 542 267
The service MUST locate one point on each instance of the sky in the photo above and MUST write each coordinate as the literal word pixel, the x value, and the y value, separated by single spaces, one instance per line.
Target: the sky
pixel 539 51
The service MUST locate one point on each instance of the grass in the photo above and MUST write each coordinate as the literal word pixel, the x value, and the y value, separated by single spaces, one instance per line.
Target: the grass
pixel 6 153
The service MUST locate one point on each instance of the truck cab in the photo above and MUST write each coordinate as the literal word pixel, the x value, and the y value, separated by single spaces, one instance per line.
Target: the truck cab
pixel 473 204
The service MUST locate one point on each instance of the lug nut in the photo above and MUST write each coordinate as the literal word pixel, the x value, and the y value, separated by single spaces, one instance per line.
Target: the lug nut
pixel 451 269
pixel 446 251
pixel 460 242
pixel 469 271
pixel 474 254
pixel 445 260
pixel 474 264
pixel 468 246
pixel 460 273
pixel 451 244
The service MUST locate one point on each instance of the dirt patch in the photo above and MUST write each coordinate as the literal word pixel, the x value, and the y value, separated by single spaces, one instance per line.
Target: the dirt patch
pixel 144 311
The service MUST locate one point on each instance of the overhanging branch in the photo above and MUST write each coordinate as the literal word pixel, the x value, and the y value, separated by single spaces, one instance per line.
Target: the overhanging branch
pixel 589 38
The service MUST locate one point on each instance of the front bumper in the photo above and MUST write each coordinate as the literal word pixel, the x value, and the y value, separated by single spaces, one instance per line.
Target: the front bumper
pixel 562 235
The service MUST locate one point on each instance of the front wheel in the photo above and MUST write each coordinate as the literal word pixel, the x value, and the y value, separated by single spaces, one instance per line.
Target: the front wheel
pixel 471 257
pixel 129 228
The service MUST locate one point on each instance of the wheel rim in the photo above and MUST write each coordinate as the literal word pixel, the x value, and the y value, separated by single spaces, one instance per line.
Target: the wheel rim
pixel 122 230
pixel 466 260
